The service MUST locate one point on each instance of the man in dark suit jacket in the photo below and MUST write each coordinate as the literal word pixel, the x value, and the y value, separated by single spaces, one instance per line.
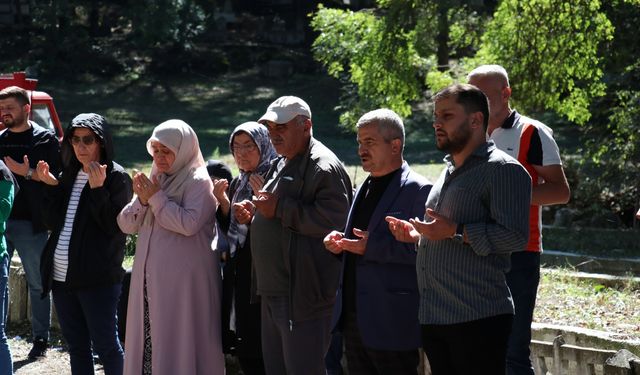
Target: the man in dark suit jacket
pixel 377 303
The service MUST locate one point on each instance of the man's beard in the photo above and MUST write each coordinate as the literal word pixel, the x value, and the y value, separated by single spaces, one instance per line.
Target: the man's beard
pixel 455 140
pixel 12 122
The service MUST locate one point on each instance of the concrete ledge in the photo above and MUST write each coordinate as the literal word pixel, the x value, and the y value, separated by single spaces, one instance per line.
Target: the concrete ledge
pixel 589 263
pixel 19 301
pixel 583 337
pixel 19 298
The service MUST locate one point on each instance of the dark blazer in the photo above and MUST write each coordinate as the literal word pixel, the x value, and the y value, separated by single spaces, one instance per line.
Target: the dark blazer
pixel 386 284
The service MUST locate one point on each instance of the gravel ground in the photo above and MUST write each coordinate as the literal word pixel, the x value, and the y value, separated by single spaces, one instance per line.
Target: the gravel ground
pixel 57 360
pixel 55 363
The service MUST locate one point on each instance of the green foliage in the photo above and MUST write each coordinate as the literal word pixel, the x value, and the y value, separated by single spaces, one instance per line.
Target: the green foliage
pixel 130 245
pixel 550 48
pixel 374 57
pixel 386 57
pixel 164 22
pixel 613 152
pixel 465 32
pixel 437 80
pixel 611 167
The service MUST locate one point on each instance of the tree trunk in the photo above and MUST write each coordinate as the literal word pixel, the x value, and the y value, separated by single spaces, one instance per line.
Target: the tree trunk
pixel 443 38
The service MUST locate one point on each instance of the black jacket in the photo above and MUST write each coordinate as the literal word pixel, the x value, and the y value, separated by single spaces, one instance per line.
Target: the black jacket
pixel 42 145
pixel 96 247
pixel 238 288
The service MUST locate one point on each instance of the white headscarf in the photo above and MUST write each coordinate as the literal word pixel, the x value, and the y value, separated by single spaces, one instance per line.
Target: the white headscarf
pixel 188 165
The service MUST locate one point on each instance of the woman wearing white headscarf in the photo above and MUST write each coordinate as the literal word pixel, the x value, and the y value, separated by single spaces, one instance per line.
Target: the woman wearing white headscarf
pixel 173 318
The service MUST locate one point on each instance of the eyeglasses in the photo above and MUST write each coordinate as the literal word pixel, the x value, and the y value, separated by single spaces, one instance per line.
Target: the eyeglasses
pixel 245 148
pixel 87 140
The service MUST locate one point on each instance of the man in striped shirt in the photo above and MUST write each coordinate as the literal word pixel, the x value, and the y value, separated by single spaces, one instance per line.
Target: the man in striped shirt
pixel 532 143
pixel 474 220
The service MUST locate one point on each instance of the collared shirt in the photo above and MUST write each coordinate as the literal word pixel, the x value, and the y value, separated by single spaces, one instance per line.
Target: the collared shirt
pixel 543 149
pixel 490 194
pixel 532 143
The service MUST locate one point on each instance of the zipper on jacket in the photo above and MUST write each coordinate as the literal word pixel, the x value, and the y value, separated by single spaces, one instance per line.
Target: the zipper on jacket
pixel 290 325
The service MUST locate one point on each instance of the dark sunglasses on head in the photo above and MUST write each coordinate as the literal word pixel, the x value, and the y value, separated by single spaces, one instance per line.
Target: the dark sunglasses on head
pixel 88 140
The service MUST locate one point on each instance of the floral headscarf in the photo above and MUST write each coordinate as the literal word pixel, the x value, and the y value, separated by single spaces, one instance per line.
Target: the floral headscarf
pixel 237 233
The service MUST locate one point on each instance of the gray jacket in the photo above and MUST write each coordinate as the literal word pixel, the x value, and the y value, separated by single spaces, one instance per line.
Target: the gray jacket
pixel 314 193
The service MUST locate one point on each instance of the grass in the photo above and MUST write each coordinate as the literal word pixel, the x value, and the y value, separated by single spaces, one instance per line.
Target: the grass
pixel 565 300
pixel 213 106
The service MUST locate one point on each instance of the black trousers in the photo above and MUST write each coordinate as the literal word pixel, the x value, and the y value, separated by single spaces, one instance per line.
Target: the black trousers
pixel 476 347
pixel 366 361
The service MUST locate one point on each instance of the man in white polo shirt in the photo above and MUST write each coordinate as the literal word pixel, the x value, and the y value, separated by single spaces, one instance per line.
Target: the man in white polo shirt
pixel 532 143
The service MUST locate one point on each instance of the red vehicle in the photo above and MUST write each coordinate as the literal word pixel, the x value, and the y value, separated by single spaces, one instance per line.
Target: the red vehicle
pixel 42 109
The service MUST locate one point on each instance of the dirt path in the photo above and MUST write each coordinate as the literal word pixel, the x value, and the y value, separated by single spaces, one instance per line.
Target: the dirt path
pixel 56 362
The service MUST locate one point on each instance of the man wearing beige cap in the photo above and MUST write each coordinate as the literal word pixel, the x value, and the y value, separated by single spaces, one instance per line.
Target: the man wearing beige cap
pixel 307 194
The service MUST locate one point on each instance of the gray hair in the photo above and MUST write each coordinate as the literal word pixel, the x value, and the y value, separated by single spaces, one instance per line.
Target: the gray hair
pixel 389 124
pixel 495 71
pixel 300 120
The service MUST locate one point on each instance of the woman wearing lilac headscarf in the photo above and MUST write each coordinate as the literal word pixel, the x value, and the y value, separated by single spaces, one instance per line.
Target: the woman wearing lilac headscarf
pixel 252 150
pixel 173 317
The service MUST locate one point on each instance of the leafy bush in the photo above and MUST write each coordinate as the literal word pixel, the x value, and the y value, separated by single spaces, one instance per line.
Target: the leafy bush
pixel 602 195
pixel 130 245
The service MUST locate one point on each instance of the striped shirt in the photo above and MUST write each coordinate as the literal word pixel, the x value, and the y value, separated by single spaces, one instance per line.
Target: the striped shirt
pixel 532 143
pixel 61 254
pixel 490 194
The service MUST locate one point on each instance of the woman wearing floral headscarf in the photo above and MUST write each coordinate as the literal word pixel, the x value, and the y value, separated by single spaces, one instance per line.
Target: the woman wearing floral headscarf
pixel 173 318
pixel 252 151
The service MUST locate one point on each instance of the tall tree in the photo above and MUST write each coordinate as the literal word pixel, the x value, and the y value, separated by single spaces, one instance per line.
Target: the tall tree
pixel 376 60
pixel 382 55
pixel 551 50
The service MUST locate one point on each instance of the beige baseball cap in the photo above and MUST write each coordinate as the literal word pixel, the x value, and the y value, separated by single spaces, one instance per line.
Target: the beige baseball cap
pixel 285 109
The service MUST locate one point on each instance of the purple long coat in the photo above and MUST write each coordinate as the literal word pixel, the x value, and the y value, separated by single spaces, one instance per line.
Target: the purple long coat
pixel 183 284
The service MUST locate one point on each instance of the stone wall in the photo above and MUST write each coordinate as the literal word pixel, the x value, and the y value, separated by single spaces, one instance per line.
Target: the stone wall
pixel 19 298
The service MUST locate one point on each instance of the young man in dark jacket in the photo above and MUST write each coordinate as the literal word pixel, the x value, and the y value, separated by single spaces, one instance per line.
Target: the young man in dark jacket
pixel 22 144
